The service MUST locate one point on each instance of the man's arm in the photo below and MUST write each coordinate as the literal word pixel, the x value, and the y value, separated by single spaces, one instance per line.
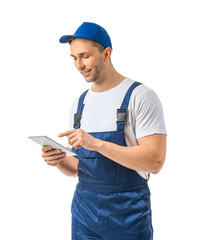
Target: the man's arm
pixel 148 156
pixel 66 164
pixel 69 166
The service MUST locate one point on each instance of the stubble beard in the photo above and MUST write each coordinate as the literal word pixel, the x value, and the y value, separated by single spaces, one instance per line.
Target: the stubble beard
pixel 98 70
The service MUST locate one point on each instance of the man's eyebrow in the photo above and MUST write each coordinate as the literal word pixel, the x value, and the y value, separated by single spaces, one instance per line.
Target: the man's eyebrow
pixel 80 54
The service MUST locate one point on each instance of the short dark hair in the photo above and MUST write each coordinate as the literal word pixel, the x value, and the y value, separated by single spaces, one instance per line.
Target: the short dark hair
pixel 100 47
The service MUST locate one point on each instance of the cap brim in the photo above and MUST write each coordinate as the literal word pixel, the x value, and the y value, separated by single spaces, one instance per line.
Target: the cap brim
pixel 64 39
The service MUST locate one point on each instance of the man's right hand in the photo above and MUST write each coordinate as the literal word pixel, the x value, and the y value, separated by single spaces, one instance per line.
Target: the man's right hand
pixel 52 156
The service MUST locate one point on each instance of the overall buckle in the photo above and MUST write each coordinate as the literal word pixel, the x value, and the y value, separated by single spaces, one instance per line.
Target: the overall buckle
pixel 122 115
pixel 77 119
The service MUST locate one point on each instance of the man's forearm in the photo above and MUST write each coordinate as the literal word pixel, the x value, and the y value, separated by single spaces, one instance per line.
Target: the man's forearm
pixel 69 166
pixel 140 158
pixel 148 156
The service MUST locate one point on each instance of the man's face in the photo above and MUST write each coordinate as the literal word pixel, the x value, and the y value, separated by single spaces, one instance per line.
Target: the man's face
pixel 88 60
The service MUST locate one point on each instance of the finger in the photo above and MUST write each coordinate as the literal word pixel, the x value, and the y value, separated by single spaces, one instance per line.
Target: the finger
pixel 46 148
pixel 55 162
pixel 55 157
pixel 77 144
pixel 50 153
pixel 73 140
pixel 66 133
pixel 72 135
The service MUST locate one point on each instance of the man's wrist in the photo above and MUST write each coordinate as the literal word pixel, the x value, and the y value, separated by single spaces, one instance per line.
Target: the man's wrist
pixel 98 145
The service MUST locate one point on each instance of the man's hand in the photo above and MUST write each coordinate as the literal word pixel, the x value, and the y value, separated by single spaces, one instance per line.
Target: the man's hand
pixel 79 138
pixel 52 156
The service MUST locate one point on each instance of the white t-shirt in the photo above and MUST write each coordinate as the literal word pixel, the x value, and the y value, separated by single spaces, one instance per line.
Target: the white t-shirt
pixel 145 113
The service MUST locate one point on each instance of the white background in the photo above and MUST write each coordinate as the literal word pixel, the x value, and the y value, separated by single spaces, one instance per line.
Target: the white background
pixel 154 42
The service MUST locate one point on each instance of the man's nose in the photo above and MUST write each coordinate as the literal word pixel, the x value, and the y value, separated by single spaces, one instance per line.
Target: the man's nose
pixel 79 64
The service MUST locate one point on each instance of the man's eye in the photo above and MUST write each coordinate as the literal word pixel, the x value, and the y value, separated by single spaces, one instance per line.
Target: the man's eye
pixel 85 56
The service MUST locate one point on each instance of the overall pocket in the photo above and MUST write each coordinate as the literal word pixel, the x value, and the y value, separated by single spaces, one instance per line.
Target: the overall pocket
pixel 96 167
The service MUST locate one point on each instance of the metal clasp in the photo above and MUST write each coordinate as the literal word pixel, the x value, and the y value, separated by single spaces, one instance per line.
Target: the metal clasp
pixel 77 119
pixel 122 115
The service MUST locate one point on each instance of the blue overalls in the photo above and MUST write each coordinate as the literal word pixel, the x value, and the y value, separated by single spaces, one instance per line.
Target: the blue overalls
pixel 111 202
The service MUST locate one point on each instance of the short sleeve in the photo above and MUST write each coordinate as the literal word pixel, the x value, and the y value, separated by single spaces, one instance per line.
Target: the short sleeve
pixel 149 115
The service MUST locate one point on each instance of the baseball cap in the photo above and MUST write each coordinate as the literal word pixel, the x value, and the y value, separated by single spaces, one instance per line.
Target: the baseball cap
pixel 91 31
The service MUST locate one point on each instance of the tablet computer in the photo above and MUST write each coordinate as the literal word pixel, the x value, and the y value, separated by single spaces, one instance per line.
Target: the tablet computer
pixel 46 141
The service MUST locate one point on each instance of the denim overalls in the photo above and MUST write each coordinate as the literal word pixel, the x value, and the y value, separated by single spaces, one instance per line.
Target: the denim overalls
pixel 111 202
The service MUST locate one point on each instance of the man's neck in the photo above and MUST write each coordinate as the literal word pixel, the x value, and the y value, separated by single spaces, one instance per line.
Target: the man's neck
pixel 110 80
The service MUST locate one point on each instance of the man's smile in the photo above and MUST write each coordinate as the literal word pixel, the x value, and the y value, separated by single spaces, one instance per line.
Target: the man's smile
pixel 86 73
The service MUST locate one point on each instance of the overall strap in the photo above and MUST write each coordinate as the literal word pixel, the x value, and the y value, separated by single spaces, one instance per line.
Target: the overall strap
pixel 123 110
pixel 77 116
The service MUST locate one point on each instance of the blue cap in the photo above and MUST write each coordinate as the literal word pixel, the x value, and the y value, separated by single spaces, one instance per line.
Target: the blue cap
pixel 90 31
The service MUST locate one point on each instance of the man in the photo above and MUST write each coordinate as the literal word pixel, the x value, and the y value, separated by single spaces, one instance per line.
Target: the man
pixel 119 136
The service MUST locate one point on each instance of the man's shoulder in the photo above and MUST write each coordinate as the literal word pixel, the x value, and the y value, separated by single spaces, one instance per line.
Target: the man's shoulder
pixel 140 90
pixel 143 96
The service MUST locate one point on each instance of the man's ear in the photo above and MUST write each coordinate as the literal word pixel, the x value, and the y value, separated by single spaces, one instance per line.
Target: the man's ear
pixel 107 54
